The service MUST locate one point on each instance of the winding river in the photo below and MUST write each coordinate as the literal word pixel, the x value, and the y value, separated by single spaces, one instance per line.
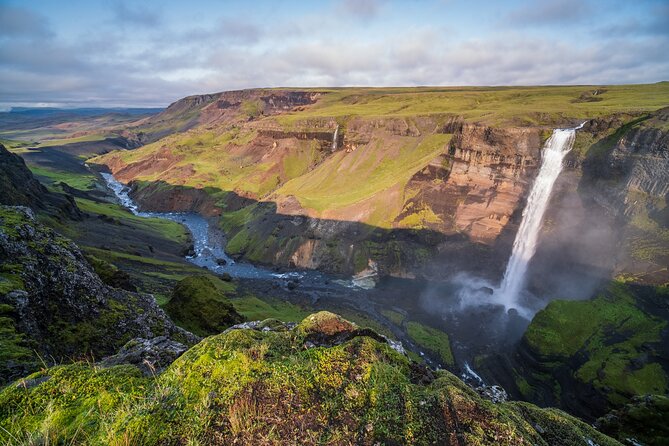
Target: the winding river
pixel 208 244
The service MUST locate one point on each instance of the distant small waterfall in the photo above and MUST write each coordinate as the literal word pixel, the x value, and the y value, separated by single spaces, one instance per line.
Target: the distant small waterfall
pixel 525 244
pixel 334 138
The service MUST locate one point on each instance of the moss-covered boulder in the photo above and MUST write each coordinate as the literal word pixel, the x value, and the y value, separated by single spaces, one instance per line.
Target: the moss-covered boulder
pixel 592 356
pixel 267 385
pixel 199 304
pixel 644 420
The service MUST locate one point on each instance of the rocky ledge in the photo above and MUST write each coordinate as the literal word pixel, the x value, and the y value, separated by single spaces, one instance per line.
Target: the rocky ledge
pixel 54 307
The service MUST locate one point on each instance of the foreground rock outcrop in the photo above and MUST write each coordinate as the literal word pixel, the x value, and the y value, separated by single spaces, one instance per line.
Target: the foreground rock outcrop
pixel 54 307
pixel 321 382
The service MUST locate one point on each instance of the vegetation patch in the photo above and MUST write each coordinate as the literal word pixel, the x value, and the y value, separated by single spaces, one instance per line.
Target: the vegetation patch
pixel 611 335
pixel 436 341
pixel 200 305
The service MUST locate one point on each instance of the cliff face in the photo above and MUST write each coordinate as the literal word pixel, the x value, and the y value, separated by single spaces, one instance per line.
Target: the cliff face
pixel 390 191
pixel 594 355
pixel 476 186
pixel 607 218
pixel 626 172
pixel 302 188
pixel 53 306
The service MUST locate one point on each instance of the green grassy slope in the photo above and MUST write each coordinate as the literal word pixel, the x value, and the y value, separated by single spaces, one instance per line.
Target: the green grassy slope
pixel 543 105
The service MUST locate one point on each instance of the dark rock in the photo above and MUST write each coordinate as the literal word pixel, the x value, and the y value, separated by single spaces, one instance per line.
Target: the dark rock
pixel 189 251
pixel 65 310
pixel 221 262
pixel 151 356
pixel 18 187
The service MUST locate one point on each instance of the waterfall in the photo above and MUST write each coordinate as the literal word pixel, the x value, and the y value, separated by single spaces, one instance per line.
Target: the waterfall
pixel 334 138
pixel 525 244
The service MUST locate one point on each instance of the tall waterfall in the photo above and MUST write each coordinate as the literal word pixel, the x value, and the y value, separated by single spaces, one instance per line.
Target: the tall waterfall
pixel 334 138
pixel 525 244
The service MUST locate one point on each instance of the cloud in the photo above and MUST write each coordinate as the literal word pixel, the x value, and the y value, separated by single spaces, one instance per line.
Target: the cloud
pixel 104 64
pixel 21 22
pixel 549 12
pixel 364 9
pixel 135 15
pixel 235 30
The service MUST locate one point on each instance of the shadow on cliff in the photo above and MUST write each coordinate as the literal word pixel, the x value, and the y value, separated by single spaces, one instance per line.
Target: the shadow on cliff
pixel 258 231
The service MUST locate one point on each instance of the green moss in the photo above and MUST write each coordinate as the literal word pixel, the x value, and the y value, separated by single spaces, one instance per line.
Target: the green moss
pixel 71 405
pixel 10 220
pixel 610 334
pixel 644 419
pixel 200 305
pixel 436 341
pixel 395 317
pixel 561 429
pixel 263 387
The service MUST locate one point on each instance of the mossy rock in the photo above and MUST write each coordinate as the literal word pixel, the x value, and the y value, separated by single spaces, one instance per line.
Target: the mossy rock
pixel 645 419
pixel 325 323
pixel 610 345
pixel 110 274
pixel 200 305
pixel 250 386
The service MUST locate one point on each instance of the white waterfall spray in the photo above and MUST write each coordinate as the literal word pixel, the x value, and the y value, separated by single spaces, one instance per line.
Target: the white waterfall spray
pixel 525 244
pixel 334 138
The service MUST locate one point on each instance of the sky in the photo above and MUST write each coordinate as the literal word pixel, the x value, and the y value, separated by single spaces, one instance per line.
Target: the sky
pixel 121 53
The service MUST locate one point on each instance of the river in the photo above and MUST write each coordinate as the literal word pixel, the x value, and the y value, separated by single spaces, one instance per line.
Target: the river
pixel 209 246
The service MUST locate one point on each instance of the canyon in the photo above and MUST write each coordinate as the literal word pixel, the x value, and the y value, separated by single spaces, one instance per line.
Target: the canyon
pixel 293 198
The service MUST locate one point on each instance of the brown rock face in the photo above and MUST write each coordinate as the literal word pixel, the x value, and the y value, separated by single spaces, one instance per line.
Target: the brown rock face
pixel 156 197
pixel 479 184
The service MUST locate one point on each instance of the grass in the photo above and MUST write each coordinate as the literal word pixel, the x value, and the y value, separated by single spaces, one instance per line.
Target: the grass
pixel 492 105
pixel 255 309
pixel 166 228
pixel 395 317
pixel 369 171
pixel 436 341
pixel 54 176
pixel 16 146
pixel 71 140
